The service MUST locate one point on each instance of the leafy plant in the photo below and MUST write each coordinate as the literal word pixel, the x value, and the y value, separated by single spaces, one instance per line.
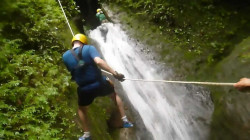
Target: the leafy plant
pixel 35 88
pixel 203 22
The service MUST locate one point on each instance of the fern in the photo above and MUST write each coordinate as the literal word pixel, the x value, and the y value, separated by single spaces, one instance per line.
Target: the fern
pixel 34 97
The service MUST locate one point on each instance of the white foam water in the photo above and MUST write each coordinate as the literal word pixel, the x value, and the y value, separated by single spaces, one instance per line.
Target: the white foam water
pixel 168 111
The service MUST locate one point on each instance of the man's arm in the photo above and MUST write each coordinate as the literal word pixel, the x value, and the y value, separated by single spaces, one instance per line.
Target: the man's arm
pixel 102 64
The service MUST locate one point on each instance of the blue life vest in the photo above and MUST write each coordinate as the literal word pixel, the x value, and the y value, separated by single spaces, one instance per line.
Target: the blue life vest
pixel 82 67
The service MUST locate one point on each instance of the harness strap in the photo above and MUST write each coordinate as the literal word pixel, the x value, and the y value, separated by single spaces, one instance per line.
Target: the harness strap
pixel 79 56
pixel 80 53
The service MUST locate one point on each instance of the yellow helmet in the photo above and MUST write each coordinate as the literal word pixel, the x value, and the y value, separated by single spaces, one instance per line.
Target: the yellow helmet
pixel 98 10
pixel 80 37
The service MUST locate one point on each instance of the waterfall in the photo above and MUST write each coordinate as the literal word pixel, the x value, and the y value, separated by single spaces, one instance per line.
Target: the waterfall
pixel 168 111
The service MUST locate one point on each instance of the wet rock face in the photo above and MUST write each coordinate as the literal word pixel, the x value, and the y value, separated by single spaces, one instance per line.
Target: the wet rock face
pixel 88 12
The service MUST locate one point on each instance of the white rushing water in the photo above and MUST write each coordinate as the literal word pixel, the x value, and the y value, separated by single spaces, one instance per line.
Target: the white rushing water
pixel 168 111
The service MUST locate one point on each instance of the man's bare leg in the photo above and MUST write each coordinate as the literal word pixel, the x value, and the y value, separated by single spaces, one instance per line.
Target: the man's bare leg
pixel 119 103
pixel 115 97
pixel 82 112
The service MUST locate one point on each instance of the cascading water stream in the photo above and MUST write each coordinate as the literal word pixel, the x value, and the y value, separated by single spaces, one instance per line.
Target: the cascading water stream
pixel 168 111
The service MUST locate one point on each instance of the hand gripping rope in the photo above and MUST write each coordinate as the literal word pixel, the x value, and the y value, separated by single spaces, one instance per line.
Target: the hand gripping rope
pixel 163 81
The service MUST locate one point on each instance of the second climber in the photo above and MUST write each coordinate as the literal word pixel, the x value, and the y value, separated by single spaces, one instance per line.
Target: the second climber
pixel 101 16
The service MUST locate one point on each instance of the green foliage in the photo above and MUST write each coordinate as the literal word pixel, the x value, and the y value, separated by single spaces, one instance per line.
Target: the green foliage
pixel 208 29
pixel 231 113
pixel 35 97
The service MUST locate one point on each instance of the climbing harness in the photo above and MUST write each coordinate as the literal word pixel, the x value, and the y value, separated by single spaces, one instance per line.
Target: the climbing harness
pixel 78 57
pixel 80 63
pixel 164 81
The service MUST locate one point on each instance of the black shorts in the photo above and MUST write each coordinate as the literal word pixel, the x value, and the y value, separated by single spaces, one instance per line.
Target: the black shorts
pixel 87 97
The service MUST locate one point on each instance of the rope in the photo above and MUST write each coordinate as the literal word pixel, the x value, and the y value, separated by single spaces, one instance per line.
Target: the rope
pixel 66 18
pixel 164 81
pixel 179 82
pixel 184 82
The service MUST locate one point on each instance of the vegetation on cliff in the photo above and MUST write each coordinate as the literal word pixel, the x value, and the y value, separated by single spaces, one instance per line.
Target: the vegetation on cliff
pixel 37 98
pixel 35 88
pixel 205 30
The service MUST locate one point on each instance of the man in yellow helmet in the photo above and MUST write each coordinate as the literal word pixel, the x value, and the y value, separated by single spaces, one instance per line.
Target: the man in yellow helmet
pixel 100 15
pixel 83 61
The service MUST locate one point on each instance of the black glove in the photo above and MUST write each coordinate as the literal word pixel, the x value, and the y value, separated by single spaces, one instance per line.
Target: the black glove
pixel 119 76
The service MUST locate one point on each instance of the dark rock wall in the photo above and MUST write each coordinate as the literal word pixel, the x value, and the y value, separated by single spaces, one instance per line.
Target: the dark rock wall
pixel 88 12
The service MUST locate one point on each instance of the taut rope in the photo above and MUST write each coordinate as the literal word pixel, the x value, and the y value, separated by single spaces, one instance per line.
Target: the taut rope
pixel 66 18
pixel 178 82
